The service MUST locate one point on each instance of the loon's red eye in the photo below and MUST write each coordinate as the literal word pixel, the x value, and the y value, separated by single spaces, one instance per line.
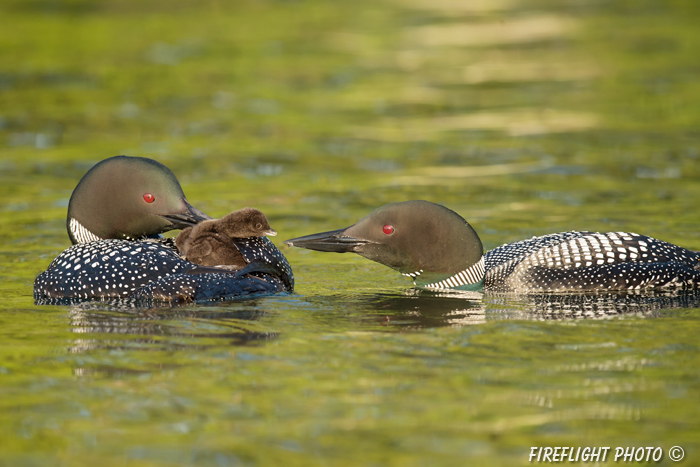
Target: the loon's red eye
pixel 149 198
pixel 388 229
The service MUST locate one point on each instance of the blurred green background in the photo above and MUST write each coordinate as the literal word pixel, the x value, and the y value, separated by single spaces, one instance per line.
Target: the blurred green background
pixel 526 117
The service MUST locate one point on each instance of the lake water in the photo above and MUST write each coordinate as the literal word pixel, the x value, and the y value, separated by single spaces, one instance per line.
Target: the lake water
pixel 526 117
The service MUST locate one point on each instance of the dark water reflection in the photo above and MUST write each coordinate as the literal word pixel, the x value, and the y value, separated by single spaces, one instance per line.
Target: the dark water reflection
pixel 166 328
pixel 606 305
pixel 239 323
pixel 420 309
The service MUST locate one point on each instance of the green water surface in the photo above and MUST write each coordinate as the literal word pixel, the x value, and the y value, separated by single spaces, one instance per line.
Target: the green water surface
pixel 526 117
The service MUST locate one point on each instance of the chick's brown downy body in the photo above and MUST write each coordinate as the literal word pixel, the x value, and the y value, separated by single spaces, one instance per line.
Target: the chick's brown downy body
pixel 209 243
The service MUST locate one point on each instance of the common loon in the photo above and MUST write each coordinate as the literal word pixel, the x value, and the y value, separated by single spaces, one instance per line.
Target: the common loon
pixel 438 249
pixel 209 242
pixel 115 216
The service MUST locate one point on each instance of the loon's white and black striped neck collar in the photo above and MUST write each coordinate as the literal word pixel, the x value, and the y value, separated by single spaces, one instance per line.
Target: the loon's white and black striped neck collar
pixel 471 278
pixel 80 234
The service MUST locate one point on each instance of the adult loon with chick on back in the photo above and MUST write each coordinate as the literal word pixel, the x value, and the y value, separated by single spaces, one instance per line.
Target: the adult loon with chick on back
pixel 115 216
pixel 438 249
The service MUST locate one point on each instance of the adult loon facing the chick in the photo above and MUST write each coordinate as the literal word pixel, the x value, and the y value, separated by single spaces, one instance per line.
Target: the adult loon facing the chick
pixel 118 204
pixel 438 249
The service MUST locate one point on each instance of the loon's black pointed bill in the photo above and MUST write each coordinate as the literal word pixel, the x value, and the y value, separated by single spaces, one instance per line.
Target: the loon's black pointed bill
pixel 334 241
pixel 190 217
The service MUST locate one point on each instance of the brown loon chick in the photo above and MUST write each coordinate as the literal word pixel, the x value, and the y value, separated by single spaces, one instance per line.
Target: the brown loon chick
pixel 209 242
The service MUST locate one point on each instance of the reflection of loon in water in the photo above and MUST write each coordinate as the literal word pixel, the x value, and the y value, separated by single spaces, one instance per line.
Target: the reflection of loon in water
pixel 412 309
pixel 180 328
pixel 164 328
pixel 417 308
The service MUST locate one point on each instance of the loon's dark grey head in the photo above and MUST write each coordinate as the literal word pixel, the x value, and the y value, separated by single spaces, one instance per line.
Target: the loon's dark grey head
pixel 128 197
pixel 420 239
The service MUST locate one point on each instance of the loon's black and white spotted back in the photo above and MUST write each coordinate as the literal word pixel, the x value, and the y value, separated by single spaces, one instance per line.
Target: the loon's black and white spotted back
pixel 117 204
pixel 588 261
pixel 152 270
pixel 438 249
